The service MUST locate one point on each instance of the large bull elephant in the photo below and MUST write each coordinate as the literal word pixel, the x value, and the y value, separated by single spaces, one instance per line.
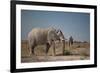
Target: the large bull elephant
pixel 47 36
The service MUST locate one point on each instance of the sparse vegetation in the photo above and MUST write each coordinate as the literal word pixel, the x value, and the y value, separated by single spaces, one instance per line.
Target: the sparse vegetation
pixel 78 51
pixel 67 52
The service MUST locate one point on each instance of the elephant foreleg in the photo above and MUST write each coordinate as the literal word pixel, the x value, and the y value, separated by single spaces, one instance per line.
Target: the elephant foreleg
pixel 47 48
pixel 63 41
pixel 54 53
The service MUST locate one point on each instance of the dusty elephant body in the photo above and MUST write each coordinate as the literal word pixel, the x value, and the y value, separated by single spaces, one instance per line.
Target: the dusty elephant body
pixel 39 36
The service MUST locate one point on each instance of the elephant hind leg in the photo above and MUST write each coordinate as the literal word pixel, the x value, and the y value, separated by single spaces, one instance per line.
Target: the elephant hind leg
pixel 31 50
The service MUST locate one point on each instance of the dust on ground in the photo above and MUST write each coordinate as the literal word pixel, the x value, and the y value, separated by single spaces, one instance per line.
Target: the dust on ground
pixel 78 51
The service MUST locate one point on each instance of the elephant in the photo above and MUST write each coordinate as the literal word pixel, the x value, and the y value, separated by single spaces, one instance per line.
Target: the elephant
pixel 44 36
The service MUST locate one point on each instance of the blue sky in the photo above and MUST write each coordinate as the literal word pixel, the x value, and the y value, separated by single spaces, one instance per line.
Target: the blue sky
pixel 71 23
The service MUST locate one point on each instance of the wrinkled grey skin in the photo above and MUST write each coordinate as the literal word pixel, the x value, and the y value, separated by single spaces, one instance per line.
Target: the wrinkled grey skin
pixel 48 36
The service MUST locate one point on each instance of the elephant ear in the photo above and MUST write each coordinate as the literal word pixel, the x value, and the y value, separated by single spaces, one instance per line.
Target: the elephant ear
pixel 52 35
pixel 58 31
pixel 60 34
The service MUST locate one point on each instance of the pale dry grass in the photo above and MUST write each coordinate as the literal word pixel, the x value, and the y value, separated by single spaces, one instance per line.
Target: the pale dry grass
pixel 78 51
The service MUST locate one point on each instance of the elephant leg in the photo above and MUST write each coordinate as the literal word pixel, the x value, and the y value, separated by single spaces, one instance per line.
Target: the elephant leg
pixel 69 44
pixel 33 50
pixel 30 50
pixel 54 53
pixel 63 46
pixel 47 48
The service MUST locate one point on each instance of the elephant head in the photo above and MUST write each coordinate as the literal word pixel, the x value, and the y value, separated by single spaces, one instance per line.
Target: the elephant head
pixel 62 38
pixel 60 35
pixel 54 35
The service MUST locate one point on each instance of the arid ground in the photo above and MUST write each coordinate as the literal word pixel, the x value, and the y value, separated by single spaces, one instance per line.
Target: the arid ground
pixel 78 51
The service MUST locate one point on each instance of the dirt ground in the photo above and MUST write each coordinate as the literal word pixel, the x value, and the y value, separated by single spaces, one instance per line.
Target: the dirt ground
pixel 78 51
pixel 53 58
